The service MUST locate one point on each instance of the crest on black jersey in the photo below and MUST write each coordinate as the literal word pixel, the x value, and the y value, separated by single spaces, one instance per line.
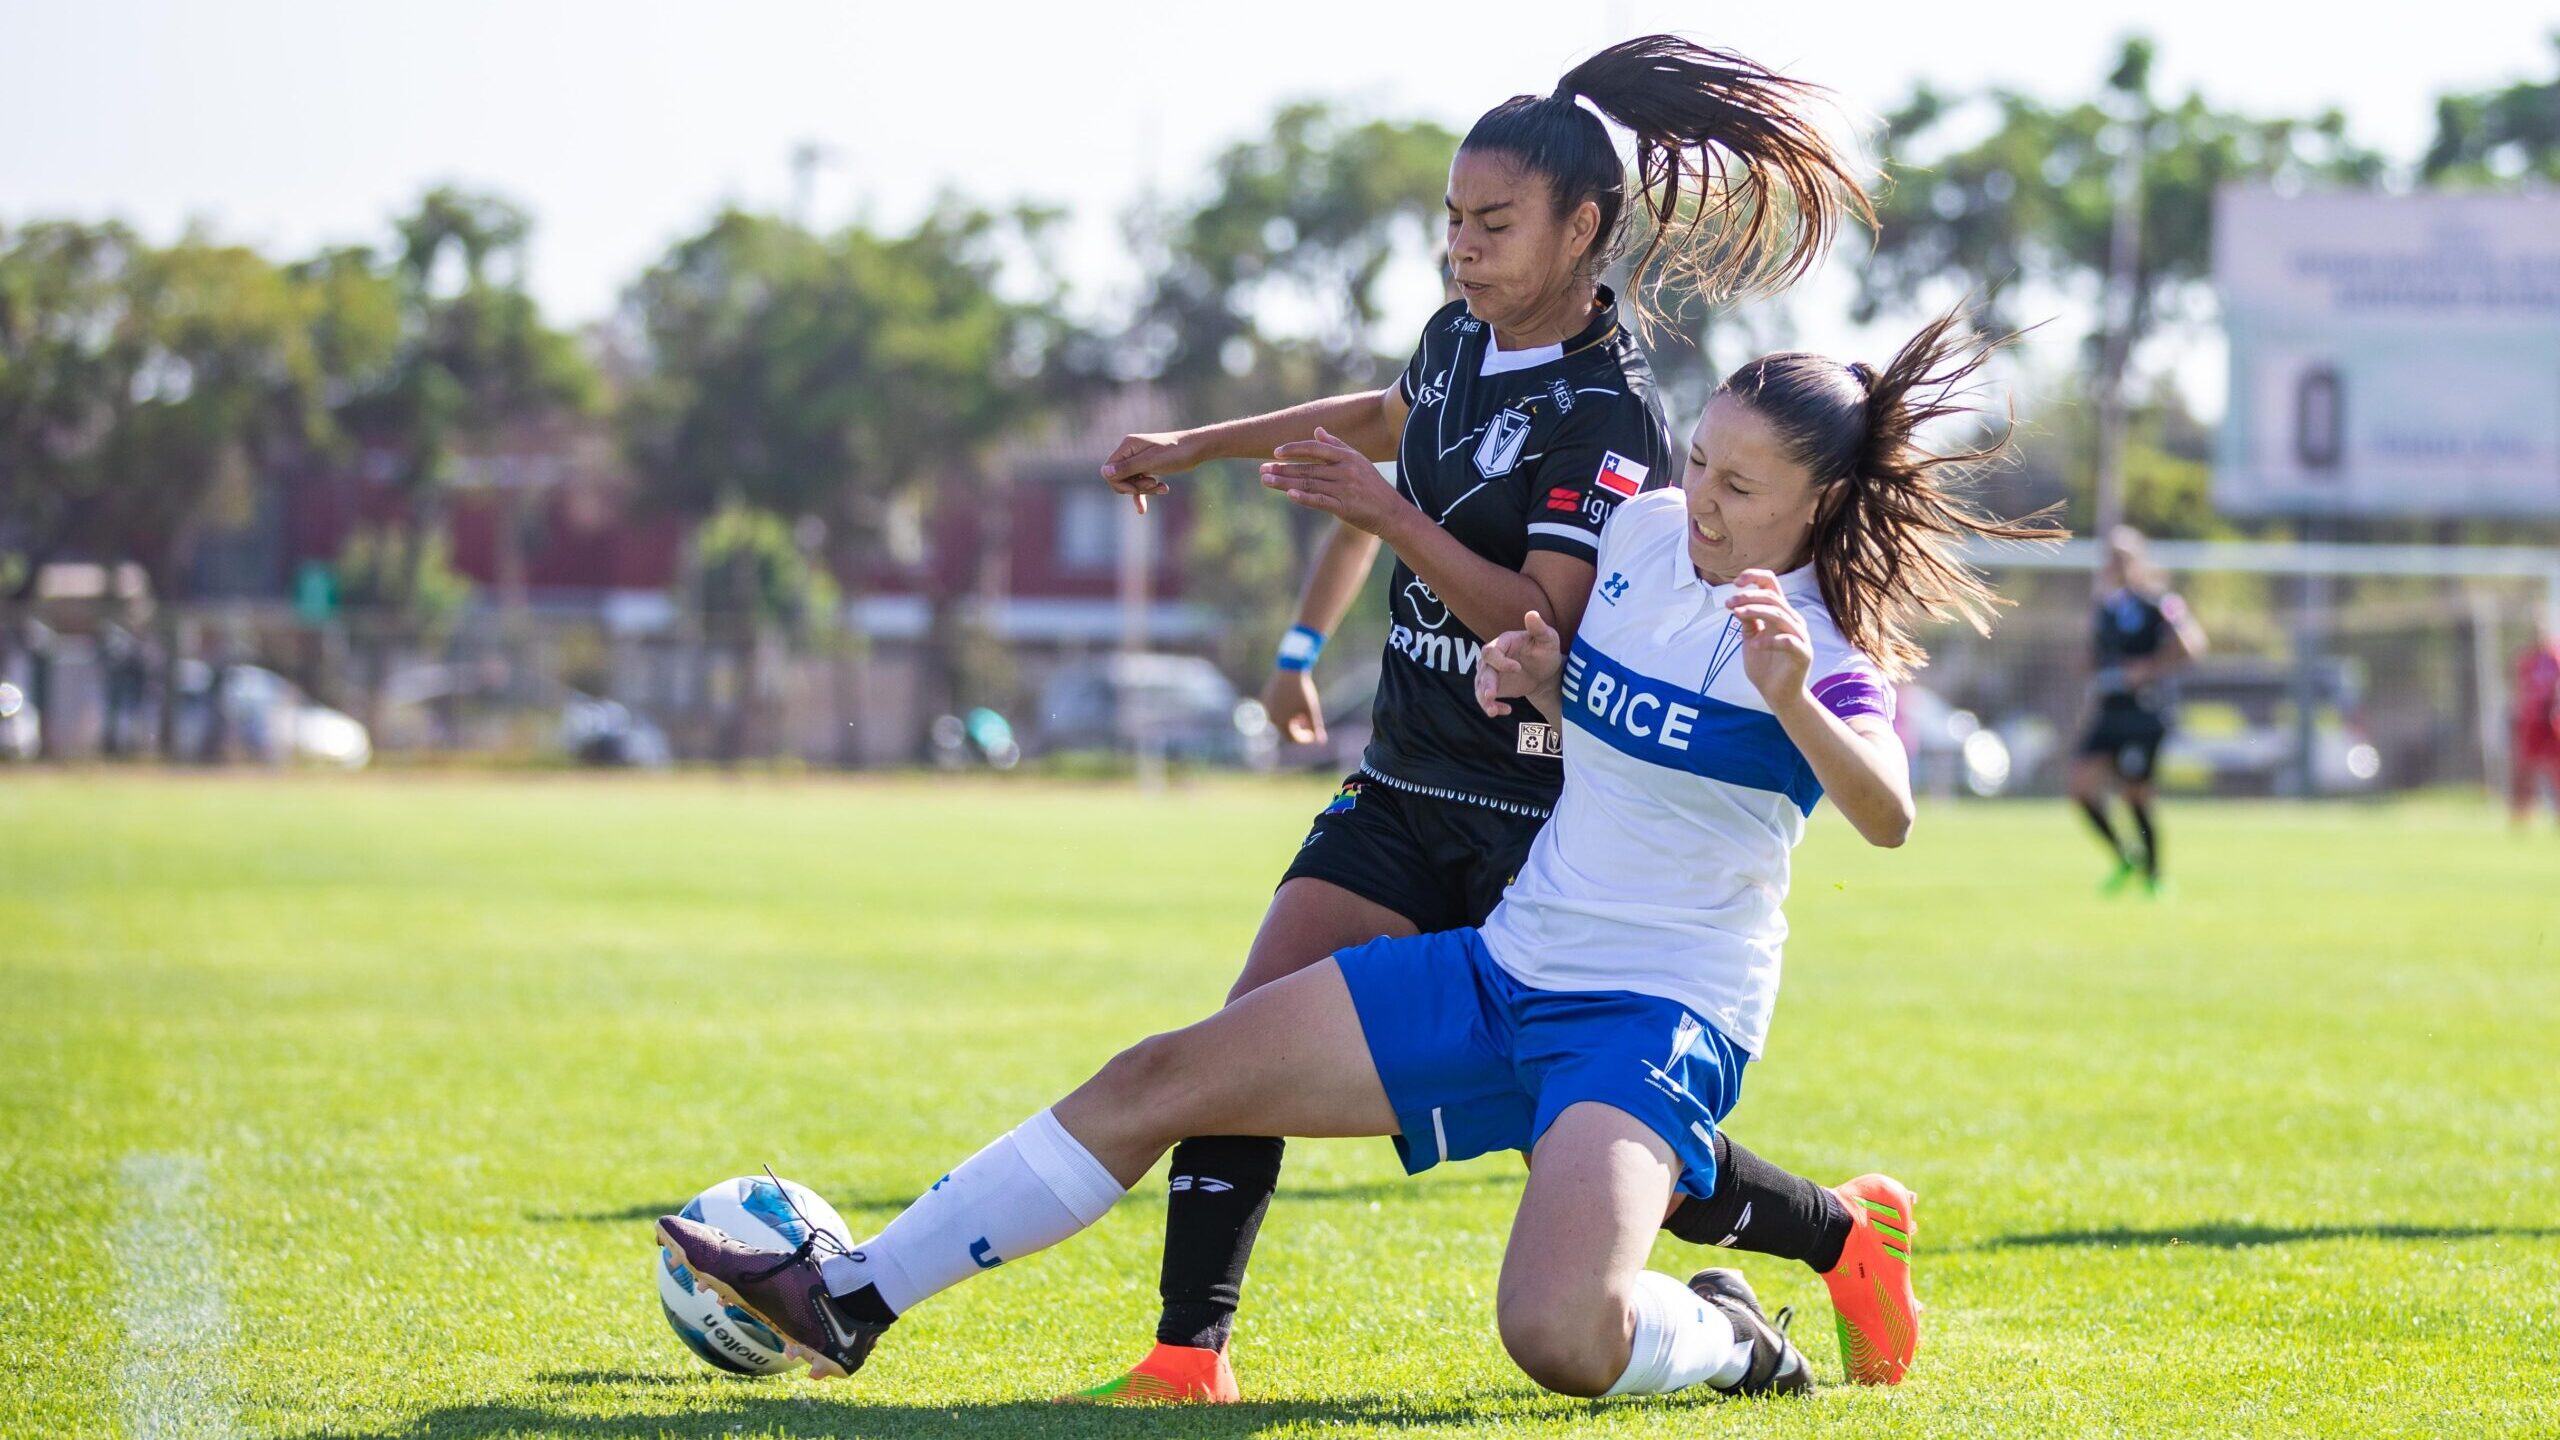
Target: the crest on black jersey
pixel 1504 437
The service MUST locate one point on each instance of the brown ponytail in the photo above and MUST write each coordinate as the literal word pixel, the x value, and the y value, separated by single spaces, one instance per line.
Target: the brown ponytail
pixel 1742 193
pixel 1891 514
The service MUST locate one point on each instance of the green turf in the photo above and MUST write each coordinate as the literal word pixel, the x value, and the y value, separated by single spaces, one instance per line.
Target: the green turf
pixel 342 1108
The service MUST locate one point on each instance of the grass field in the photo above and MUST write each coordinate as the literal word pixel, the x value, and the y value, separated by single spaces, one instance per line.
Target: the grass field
pixel 343 1107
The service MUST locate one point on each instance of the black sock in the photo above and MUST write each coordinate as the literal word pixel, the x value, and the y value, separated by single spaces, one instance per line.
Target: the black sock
pixel 1221 1185
pixel 2096 810
pixel 2150 837
pixel 1763 1209
pixel 863 1305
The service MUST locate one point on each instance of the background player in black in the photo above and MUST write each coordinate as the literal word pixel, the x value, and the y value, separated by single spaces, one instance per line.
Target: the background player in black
pixel 2143 635
pixel 1525 415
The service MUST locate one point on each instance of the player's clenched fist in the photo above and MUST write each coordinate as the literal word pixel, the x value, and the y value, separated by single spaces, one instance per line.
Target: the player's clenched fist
pixel 1777 650
pixel 1521 664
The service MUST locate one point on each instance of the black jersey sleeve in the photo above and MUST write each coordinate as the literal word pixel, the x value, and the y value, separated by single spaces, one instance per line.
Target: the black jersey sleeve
pixel 1416 370
pixel 1603 454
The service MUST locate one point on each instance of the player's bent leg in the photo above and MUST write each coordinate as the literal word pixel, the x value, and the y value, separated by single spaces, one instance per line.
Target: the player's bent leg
pixel 1581 1315
pixel 1567 1303
pixel 1290 1059
pixel 1760 1208
pixel 1220 1186
pixel 2090 775
pixel 2138 799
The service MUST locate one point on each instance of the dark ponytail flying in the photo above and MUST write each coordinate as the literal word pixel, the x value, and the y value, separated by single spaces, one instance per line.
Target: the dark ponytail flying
pixel 1741 191
pixel 1891 515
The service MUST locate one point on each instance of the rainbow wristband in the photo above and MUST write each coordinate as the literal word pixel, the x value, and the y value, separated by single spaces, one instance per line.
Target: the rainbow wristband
pixel 1299 648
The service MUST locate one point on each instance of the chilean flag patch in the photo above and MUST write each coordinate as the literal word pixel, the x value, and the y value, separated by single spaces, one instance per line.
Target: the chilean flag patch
pixel 1620 476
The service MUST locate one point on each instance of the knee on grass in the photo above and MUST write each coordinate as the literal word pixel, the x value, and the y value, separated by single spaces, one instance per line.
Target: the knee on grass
pixel 1570 1347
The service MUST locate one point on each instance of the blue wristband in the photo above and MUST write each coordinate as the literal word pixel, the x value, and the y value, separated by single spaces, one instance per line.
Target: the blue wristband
pixel 1299 648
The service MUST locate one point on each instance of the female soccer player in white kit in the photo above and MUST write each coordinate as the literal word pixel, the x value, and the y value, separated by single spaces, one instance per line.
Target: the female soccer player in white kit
pixel 1734 666
pixel 1526 414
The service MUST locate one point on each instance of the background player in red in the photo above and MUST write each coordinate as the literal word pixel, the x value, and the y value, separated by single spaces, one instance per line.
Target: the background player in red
pixel 2535 743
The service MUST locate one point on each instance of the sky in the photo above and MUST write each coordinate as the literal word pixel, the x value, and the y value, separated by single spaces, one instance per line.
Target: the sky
pixel 624 126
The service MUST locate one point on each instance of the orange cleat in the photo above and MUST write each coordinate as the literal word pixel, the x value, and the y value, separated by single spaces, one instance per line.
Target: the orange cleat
pixel 1170 1375
pixel 1871 1286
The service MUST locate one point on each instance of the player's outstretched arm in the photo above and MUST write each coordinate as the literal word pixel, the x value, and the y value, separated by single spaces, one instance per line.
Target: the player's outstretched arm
pixel 1369 420
pixel 1326 473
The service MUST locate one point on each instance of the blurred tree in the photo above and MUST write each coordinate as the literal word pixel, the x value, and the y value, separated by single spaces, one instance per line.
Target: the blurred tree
pixel 845 378
pixel 1305 219
pixel 746 567
pixel 2023 217
pixel 69 348
pixel 2031 203
pixel 749 584
pixel 2498 137
pixel 228 380
pixel 380 569
pixel 473 360
pixel 1303 223
pixel 70 344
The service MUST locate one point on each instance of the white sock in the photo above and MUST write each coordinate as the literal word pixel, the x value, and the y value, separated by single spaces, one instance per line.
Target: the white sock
pixel 1680 1341
pixel 1026 1192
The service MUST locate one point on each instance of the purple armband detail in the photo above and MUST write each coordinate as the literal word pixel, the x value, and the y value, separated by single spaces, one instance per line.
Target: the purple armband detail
pixel 1850 694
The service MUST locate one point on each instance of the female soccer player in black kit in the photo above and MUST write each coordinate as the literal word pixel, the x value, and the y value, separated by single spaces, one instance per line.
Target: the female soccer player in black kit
pixel 1526 415
pixel 2143 635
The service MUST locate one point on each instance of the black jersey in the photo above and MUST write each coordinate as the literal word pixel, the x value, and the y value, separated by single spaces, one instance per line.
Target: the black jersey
pixel 2132 626
pixel 1533 458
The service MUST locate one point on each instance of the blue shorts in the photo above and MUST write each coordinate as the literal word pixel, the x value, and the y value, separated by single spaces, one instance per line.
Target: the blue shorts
pixel 1474 1061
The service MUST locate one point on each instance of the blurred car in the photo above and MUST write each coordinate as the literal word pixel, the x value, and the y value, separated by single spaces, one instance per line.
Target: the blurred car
pixel 2236 730
pixel 260 715
pixel 21 729
pixel 1951 749
pixel 608 732
pixel 1179 706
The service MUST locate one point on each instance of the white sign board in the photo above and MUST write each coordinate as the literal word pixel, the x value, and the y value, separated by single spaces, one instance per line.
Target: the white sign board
pixel 2390 354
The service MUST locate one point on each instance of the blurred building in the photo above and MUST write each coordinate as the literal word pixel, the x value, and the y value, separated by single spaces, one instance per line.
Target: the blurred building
pixel 576 587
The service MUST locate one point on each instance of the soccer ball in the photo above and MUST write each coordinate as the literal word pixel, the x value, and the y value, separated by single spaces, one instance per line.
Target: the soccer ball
pixel 754 1211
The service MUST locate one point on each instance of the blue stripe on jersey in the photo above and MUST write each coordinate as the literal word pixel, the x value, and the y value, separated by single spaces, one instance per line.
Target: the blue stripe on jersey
pixel 1671 725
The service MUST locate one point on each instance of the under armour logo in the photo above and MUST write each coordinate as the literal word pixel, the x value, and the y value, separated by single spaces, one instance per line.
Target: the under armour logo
pixel 984 1253
pixel 1206 1184
pixel 1614 588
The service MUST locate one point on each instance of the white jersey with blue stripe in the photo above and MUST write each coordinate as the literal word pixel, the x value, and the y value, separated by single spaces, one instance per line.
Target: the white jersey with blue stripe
pixel 1665 866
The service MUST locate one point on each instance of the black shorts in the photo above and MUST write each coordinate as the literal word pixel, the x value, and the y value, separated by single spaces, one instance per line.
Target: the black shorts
pixel 2128 738
pixel 1442 864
